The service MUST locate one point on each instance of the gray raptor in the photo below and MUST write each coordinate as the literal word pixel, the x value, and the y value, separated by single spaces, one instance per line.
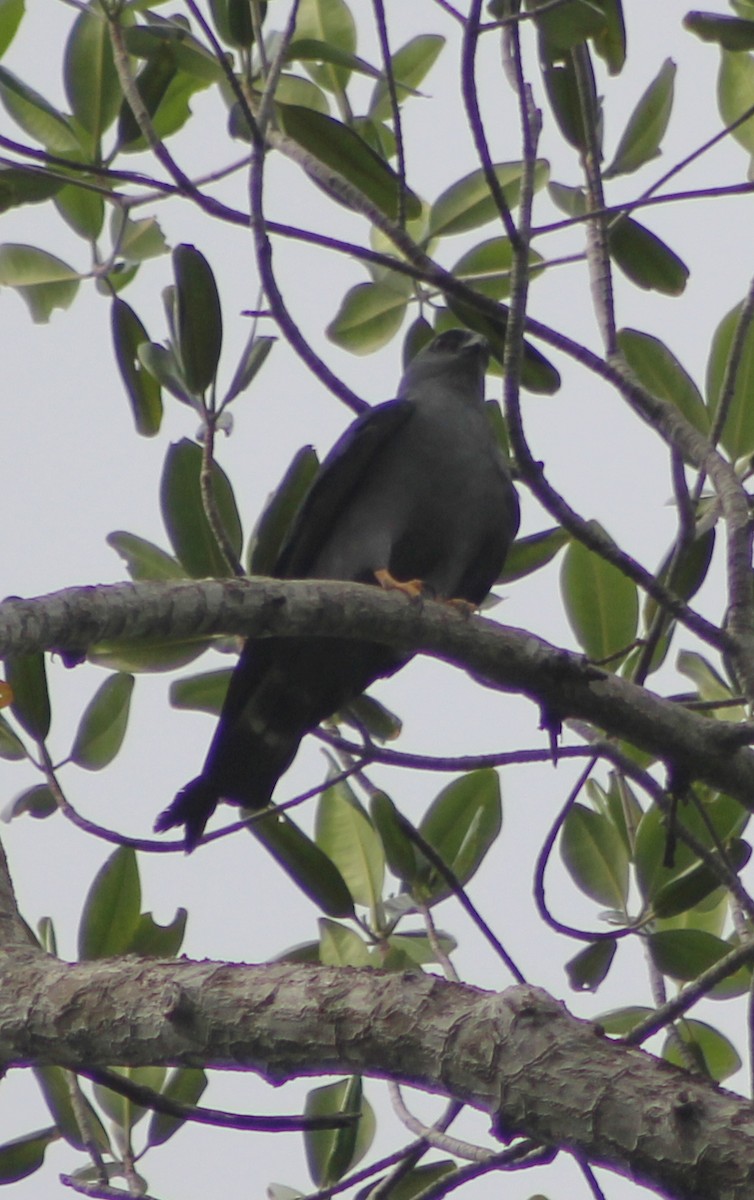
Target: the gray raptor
pixel 416 494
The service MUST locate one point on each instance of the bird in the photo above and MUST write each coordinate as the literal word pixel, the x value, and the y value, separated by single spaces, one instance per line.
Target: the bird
pixel 417 496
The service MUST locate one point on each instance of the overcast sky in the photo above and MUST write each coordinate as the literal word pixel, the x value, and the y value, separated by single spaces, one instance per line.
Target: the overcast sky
pixel 73 470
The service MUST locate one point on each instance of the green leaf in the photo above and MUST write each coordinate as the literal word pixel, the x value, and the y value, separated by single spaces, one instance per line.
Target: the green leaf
pixel 199 319
pixel 328 21
pixel 647 124
pixel 722 815
pixel 340 946
pixel 111 909
pixel 348 838
pixel 291 89
pixel 37 117
pixel 37 801
pixel 735 95
pixel 190 57
pixel 732 33
pixel 143 559
pixel 468 203
pixel 610 42
pixel 24 1155
pixel 595 856
pixel 31 701
pixel 697 882
pixel 738 431
pixel 409 65
pixel 152 940
pixel 709 684
pixel 487 267
pixel 400 852
pixel 587 969
pixel 602 605
pixel 330 1153
pixel 367 713
pixel 370 315
pixel 43 281
pixel 103 725
pixel 424 1178
pixel 201 693
pixel 162 365
pixel 317 51
pixel 308 866
pixel 684 954
pixel 26 185
pixel 657 368
pixel 416 947
pixel 250 363
pixel 11 746
pixel 281 508
pixel 54 1083
pixel 529 554
pixel 143 389
pixel 176 68
pixel 11 12
pixel 138 240
pixel 82 209
pixel 183 512
pixel 621 1021
pixel 461 824
pixel 712 1052
pixel 232 19
pixel 123 1112
pixel 167 655
pixel 340 148
pixel 645 259
pixel 185 1085
pixel 91 80
pixel 569 24
pixel 684 573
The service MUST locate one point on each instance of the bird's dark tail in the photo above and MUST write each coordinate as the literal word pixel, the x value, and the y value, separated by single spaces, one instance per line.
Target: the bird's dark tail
pixel 192 807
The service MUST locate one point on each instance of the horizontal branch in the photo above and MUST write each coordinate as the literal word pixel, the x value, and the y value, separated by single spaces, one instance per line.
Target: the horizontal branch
pixel 517 1056
pixel 563 684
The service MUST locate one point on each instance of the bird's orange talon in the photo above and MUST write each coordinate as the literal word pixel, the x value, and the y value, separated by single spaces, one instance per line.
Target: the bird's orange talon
pixel 411 587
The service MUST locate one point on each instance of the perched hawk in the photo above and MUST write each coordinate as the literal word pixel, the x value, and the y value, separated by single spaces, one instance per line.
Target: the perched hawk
pixel 415 494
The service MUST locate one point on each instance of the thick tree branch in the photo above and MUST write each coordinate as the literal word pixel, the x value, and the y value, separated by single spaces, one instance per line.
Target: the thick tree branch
pixel 506 659
pixel 517 1056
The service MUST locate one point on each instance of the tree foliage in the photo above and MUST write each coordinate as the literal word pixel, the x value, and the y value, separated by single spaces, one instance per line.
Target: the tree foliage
pixel 654 705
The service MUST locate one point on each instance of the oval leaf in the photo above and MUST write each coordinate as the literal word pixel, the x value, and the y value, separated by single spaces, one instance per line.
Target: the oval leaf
pixel 143 389
pixel 461 824
pixel 103 725
pixel 183 512
pixel 595 855
pixel 30 706
pixel 645 259
pixel 469 203
pixel 111 908
pixel 348 838
pixel 199 319
pixel 738 432
pixel 647 124
pixel 602 605
pixel 185 1085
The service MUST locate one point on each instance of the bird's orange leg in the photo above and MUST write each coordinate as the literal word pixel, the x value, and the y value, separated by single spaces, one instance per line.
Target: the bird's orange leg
pixel 412 588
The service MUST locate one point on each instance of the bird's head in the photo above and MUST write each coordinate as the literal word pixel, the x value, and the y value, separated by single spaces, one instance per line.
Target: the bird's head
pixel 455 357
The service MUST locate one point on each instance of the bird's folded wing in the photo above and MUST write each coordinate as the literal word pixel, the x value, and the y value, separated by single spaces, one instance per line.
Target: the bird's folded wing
pixel 339 474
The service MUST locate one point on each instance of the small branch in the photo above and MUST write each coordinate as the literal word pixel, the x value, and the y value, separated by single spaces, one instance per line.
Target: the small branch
pixel 598 250
pixel 395 108
pixel 434 1137
pixel 471 101
pixel 146 1097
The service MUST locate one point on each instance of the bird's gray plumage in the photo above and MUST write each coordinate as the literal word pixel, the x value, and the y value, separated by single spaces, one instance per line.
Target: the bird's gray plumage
pixel 418 487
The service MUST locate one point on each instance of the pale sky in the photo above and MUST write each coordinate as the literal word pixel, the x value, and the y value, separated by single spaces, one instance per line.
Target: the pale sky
pixel 73 470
